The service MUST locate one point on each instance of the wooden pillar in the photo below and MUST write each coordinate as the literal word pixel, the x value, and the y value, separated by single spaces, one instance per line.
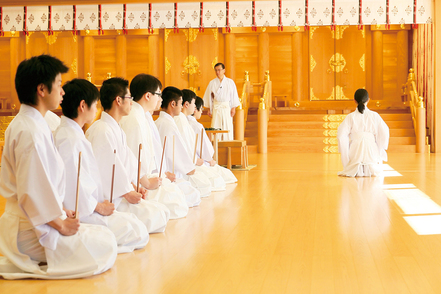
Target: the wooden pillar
pixel 436 142
pixel 154 55
pixel 402 59
pixel 263 56
pixel 297 66
pixel 89 56
pixel 377 68
pixel 15 59
pixel 121 56
pixel 230 56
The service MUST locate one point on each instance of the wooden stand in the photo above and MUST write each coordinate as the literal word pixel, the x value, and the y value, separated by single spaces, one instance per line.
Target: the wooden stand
pixel 233 153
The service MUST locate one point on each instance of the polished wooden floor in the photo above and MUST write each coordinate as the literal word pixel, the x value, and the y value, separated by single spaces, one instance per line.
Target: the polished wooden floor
pixel 290 225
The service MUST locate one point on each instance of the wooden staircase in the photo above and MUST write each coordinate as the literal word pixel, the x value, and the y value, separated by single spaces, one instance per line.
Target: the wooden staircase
pixel 316 132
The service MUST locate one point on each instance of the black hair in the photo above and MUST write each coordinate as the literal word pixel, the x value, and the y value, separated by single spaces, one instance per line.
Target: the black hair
pixel 199 103
pixel 361 96
pixel 34 71
pixel 220 63
pixel 111 89
pixel 144 83
pixel 188 96
pixel 76 91
pixel 170 94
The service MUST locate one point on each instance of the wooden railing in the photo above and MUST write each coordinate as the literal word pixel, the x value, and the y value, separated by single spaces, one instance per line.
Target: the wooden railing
pixel 418 111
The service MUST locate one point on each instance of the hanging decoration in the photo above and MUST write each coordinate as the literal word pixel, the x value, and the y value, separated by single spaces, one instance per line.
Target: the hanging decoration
pixel 333 16
pixel 176 28
pixel 228 29
pixel 280 26
pixel 201 24
pixel 1 22
pixel 306 15
pixel 25 29
pixel 50 32
pixel 125 19
pixel 360 16
pixel 387 15
pixel 150 19
pixel 253 26
pixel 415 25
pixel 100 23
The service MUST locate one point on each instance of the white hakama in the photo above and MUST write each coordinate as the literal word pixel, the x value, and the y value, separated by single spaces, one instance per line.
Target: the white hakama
pixel 129 231
pixel 189 136
pixel 106 136
pixel 192 195
pixel 33 182
pixel 208 151
pixel 363 139
pixel 181 161
pixel 137 130
pixel 225 98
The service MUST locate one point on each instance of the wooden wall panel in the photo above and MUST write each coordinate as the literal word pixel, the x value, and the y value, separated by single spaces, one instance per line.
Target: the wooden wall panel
pixel 390 63
pixel 5 69
pixel 176 51
pixel 36 44
pixel 66 49
pixel 247 59
pixel 137 56
pixel 280 67
pixel 105 58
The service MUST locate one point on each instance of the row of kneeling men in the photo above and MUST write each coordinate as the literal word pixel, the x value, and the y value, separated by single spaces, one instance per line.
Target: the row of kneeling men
pixel 118 191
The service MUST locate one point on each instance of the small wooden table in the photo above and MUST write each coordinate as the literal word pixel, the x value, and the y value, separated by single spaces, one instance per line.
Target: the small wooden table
pixel 212 134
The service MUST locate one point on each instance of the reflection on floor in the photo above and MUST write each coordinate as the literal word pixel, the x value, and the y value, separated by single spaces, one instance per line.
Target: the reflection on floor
pixel 290 225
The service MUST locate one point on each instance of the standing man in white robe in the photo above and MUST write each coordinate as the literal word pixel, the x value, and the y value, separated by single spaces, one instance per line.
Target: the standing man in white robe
pixel 207 147
pixel 107 136
pixel 135 125
pixel 363 138
pixel 176 155
pixel 39 238
pixel 222 99
pixel 79 107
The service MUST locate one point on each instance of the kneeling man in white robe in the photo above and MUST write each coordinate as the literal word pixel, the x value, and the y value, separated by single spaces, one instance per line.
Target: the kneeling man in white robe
pixel 40 239
pixel 107 136
pixel 363 138
pixel 176 154
pixel 136 127
pixel 187 132
pixel 205 147
pixel 79 107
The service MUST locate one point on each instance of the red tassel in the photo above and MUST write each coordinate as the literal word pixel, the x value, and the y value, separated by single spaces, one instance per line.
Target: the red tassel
pixel 333 16
pixel 100 25
pixel 150 19
pixel 306 15
pixel 49 31
pixel 201 25
pixel 360 16
pixel 124 19
pixel 25 29
pixel 254 28
pixel 414 25
pixel 1 22
pixel 280 26
pixel 176 29
pixel 387 15
pixel 228 29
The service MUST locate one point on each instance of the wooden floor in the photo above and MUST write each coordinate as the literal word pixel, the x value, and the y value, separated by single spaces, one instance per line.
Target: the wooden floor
pixel 290 225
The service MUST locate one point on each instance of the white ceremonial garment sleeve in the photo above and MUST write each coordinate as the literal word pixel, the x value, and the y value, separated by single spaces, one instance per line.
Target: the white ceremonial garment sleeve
pixel 382 139
pixel 344 141
pixel 134 138
pixel 103 148
pixel 207 96
pixel 86 202
pixel 233 95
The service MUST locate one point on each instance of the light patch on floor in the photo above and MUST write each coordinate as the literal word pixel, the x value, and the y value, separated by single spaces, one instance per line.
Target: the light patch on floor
pixel 413 201
pixel 398 186
pixel 425 224
pixel 391 173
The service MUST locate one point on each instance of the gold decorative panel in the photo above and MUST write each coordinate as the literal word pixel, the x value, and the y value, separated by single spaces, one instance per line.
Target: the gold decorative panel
pixel 362 62
pixel 338 32
pixel 334 117
pixel 167 65
pixel 51 39
pixel 312 63
pixel 215 32
pixel 167 33
pixel 74 66
pixel 339 93
pixel 191 65
pixel 191 35
pixel 331 149
pixel 214 62
pixel 330 133
pixel 337 62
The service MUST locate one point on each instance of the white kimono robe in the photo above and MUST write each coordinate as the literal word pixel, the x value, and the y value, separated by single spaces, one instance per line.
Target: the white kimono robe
pixel 225 98
pixel 192 195
pixel 52 120
pixel 106 136
pixel 363 139
pixel 183 163
pixel 32 180
pixel 208 150
pixel 189 136
pixel 137 130
pixel 129 231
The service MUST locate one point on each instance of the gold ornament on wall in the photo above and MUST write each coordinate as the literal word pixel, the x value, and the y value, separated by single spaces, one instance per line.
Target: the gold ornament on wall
pixel 167 65
pixel 74 36
pixel 215 32
pixel 191 65
pixel 331 149
pixel 311 31
pixel 28 36
pixel 191 35
pixel 334 117
pixel 214 62
pixel 74 66
pixel 362 62
pixel 51 39
pixel 339 93
pixel 166 34
pixel 330 133
pixel 312 63
pixel 338 32
pixel 337 62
